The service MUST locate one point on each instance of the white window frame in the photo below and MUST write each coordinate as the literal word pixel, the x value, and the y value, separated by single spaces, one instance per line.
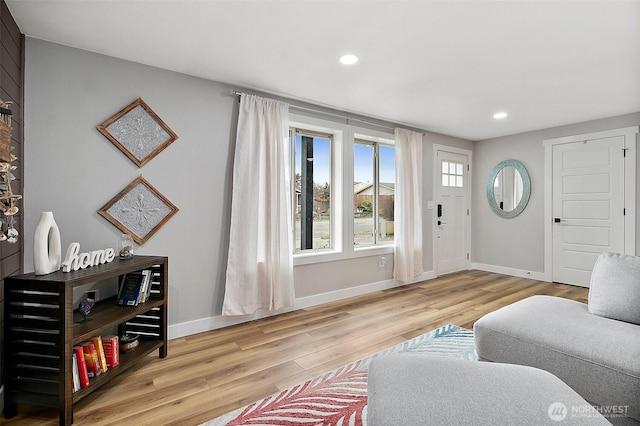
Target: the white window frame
pixel 376 142
pixel 343 136
pixel 293 131
pixel 454 174
pixel 337 211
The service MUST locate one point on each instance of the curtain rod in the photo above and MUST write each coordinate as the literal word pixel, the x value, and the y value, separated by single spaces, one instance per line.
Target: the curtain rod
pixel 236 93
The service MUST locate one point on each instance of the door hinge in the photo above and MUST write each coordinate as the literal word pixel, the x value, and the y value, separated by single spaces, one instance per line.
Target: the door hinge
pixel 624 211
pixel 467 256
pixel 624 152
pixel 467 212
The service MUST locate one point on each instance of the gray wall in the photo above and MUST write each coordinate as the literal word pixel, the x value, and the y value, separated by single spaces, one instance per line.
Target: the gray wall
pixel 72 170
pixel 519 242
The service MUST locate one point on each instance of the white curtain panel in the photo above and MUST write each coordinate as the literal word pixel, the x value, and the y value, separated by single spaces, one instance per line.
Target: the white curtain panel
pixel 407 263
pixel 260 263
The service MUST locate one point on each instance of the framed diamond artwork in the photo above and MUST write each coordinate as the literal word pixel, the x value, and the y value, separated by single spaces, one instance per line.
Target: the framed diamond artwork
pixel 138 132
pixel 139 210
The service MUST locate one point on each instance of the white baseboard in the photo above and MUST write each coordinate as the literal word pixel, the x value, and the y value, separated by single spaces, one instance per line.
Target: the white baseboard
pixel 522 273
pixel 332 296
pixel 211 323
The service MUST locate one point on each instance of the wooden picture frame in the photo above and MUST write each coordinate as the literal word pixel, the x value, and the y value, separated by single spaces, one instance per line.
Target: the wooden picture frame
pixel 139 210
pixel 138 132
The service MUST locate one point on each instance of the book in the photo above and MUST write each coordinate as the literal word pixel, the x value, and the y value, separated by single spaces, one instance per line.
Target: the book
pixel 91 358
pixel 142 296
pixel 148 293
pixel 83 373
pixel 76 375
pixel 129 292
pixel 97 342
pixel 111 346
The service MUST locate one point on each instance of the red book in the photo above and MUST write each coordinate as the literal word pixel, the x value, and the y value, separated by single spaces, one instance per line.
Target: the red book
pixel 111 345
pixel 91 358
pixel 82 366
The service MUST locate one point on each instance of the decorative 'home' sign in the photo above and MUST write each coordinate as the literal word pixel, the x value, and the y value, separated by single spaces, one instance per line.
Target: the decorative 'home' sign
pixel 75 260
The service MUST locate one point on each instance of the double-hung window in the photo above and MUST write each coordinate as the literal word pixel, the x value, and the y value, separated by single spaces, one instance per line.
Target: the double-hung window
pixel 312 190
pixel 373 192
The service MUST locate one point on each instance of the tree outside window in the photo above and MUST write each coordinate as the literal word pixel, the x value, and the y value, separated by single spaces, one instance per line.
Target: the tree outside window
pixel 312 181
pixel 374 193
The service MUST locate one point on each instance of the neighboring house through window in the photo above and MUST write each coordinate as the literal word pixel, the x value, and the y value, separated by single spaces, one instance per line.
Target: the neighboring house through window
pixel 373 192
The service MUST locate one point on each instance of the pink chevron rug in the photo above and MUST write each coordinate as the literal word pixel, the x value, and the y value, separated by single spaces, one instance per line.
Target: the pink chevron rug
pixel 339 397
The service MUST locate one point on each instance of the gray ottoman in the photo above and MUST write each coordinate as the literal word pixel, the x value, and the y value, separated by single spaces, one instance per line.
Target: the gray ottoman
pixel 409 389
pixel 598 357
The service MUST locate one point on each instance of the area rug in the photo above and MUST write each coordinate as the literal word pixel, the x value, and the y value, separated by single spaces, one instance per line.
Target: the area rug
pixel 339 397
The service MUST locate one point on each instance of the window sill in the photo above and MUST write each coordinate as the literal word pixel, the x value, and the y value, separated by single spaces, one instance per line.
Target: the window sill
pixel 333 256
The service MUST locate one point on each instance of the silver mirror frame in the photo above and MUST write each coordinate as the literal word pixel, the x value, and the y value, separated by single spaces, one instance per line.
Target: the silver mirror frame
pixel 526 189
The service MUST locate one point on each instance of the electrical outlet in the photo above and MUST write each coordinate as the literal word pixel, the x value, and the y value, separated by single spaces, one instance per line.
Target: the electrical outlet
pixel 382 261
pixel 92 294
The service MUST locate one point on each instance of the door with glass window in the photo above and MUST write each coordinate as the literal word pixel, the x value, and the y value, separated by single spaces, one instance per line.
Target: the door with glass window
pixel 451 212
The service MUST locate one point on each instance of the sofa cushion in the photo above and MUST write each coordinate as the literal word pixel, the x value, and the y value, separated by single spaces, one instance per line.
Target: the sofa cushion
pixel 409 390
pixel 598 357
pixel 614 291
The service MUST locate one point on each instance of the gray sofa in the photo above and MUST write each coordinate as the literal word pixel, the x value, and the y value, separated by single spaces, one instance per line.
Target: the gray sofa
pixel 416 390
pixel 594 347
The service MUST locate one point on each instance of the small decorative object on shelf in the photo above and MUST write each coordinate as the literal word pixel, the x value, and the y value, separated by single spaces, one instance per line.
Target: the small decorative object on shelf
pixel 75 260
pixel 47 255
pixel 85 307
pixel 128 343
pixel 8 232
pixel 125 246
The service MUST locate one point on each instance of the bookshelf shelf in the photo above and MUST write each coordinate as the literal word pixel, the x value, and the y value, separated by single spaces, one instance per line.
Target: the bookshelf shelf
pixel 127 360
pixel 41 328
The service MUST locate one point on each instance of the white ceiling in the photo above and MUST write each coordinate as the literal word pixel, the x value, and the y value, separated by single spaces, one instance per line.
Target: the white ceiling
pixel 442 66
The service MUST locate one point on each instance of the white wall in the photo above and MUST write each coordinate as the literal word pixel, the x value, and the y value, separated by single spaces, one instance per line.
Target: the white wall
pixel 517 245
pixel 72 170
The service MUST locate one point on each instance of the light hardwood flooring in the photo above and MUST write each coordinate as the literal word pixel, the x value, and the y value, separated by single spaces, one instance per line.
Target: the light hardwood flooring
pixel 208 374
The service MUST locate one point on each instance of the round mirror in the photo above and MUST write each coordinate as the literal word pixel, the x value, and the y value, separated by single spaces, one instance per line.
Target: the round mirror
pixel 508 188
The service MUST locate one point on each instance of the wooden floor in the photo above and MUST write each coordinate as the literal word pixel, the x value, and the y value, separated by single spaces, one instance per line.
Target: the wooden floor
pixel 208 374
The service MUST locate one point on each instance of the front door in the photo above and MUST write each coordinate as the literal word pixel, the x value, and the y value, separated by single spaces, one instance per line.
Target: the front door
pixel 588 206
pixel 451 211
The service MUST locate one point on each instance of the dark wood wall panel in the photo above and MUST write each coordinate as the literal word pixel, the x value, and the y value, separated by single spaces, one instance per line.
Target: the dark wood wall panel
pixel 12 89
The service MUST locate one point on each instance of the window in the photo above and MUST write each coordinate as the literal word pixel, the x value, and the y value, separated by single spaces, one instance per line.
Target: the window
pixel 452 174
pixel 324 179
pixel 373 193
pixel 312 190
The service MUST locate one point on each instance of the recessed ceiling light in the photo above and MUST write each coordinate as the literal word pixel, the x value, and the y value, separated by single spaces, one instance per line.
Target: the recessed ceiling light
pixel 348 59
pixel 500 115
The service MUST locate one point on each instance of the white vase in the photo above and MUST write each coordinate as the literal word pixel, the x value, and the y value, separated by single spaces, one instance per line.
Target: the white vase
pixel 47 248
